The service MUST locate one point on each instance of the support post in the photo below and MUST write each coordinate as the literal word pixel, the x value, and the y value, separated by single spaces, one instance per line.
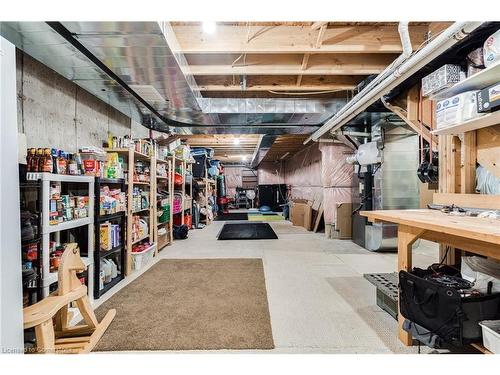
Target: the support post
pixel 406 237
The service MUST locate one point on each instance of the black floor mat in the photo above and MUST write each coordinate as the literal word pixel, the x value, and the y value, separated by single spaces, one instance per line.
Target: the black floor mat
pixel 247 231
pixel 232 216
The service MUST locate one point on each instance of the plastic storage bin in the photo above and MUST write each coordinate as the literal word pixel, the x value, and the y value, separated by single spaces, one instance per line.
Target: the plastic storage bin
pixel 165 216
pixel 491 335
pixel 143 258
pixel 177 203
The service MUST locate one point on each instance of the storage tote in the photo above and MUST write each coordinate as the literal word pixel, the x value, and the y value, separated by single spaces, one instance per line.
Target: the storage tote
pixel 491 335
pixel 143 258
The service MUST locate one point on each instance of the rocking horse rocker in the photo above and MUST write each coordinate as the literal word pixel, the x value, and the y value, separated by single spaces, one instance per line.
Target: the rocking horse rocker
pixel 51 317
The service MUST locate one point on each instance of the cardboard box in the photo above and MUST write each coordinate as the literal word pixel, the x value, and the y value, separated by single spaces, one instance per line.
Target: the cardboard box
pixel 301 214
pixel 488 99
pixel 442 78
pixel 343 222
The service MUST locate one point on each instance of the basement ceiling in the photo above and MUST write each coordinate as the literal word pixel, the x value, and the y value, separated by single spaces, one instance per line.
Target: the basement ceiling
pixel 293 59
pixel 246 79
pixel 229 148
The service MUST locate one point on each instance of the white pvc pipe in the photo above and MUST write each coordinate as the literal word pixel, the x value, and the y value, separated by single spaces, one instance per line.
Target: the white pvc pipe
pixel 400 72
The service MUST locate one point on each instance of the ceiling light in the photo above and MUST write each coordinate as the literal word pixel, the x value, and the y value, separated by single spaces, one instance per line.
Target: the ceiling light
pixel 244 157
pixel 236 141
pixel 209 27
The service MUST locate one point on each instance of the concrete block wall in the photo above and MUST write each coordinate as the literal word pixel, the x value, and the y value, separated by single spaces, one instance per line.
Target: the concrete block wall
pixel 55 112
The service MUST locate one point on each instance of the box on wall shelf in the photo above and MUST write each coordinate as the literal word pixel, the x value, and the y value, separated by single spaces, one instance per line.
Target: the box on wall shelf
pixel 442 78
pixel 457 109
pixel 488 99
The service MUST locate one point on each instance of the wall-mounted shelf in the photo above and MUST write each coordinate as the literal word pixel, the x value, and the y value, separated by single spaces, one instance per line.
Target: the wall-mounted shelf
pixel 480 80
pixel 478 123
pixel 68 225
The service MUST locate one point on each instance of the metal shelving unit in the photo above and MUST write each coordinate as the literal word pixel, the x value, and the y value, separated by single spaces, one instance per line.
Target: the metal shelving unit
pixel 48 277
pixel 99 254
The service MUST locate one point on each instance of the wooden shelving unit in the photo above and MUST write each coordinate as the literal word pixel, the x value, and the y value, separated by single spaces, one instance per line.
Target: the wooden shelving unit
pixel 477 123
pixel 132 156
pixel 164 183
pixel 209 185
pixel 176 162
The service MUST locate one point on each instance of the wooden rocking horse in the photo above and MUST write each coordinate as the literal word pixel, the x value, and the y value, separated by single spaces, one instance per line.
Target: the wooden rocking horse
pixel 51 317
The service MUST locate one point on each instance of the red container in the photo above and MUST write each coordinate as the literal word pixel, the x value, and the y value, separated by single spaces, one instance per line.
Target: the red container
pixel 188 220
pixel 178 180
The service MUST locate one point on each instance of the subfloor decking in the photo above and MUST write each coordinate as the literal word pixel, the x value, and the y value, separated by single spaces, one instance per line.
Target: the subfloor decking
pixel 319 301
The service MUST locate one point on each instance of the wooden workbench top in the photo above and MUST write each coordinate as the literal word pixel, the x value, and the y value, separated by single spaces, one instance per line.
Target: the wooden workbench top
pixel 482 229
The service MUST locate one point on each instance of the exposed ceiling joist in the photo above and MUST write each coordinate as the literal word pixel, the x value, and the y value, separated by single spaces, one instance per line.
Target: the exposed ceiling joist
pixel 318 25
pixel 295 39
pixel 344 64
pixel 278 83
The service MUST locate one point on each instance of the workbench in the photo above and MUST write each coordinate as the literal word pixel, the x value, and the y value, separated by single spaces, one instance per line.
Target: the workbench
pixel 476 235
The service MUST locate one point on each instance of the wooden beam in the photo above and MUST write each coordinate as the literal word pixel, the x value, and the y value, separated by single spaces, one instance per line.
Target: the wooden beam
pixel 414 125
pixel 292 87
pixel 319 38
pixel 305 60
pixel 295 39
pixel 468 163
pixel 488 149
pixel 318 25
pixel 317 64
pixel 484 201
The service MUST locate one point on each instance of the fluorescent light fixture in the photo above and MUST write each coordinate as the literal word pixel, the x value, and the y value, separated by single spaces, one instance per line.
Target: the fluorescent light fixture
pixel 209 27
pixel 244 157
pixel 236 141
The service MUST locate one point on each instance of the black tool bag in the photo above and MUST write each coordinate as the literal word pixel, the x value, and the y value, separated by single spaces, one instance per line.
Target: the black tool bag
pixel 442 310
pixel 180 232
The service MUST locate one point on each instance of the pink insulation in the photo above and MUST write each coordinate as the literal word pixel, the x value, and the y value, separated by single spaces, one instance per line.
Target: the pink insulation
pixel 318 171
pixel 336 178
pixel 270 173
pixel 303 173
pixel 233 179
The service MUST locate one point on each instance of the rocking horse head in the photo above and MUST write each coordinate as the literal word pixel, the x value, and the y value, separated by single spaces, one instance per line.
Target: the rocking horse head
pixel 71 264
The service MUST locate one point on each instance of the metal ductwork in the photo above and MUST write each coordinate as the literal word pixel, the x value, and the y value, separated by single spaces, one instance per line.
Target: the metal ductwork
pixel 396 73
pixel 130 66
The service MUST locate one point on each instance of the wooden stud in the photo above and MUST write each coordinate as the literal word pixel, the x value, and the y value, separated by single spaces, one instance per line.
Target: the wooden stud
pixel 488 149
pixel 468 163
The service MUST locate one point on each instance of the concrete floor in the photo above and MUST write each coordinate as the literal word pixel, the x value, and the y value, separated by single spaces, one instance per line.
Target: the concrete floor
pixel 318 299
